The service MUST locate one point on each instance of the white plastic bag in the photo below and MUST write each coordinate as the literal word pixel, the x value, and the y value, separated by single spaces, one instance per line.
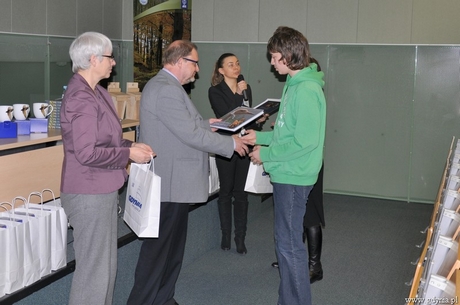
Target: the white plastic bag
pixel 258 181
pixel 214 184
pixel 31 241
pixel 143 200
pixel 59 227
pixel 11 279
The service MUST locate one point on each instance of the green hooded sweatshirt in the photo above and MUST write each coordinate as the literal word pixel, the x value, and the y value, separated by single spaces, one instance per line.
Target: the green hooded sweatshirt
pixel 293 151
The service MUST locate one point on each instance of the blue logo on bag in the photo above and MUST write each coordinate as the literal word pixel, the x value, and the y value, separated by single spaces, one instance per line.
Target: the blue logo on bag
pixel 264 173
pixel 135 202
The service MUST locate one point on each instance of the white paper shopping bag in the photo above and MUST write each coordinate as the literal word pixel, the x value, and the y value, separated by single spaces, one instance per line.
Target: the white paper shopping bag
pixel 143 200
pixel 10 279
pixel 4 255
pixel 59 227
pixel 11 258
pixel 43 235
pixel 214 184
pixel 30 239
pixel 258 181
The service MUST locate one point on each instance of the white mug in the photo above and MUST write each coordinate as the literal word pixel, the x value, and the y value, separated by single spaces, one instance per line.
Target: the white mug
pixel 6 113
pixel 42 110
pixel 21 111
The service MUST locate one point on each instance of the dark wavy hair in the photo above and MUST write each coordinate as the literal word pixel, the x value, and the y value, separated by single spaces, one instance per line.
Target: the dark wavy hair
pixel 292 45
pixel 216 77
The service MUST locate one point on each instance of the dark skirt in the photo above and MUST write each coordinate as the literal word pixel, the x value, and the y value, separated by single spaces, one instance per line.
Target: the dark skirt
pixel 314 216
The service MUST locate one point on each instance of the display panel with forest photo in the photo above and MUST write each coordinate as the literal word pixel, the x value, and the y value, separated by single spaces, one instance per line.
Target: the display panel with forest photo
pixel 156 25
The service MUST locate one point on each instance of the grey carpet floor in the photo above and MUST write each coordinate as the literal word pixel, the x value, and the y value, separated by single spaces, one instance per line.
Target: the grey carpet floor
pixel 368 247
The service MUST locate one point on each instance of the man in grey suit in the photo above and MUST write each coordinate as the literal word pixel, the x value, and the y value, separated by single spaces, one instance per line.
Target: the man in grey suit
pixel 172 126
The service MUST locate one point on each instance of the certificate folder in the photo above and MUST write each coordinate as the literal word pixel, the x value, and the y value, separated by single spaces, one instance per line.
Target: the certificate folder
pixel 237 118
pixel 269 106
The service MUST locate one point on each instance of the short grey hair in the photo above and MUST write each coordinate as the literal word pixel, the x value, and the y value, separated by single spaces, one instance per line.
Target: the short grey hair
pixel 86 45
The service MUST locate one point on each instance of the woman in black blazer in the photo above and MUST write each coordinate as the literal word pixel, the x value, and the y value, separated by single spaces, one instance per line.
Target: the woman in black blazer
pixel 225 94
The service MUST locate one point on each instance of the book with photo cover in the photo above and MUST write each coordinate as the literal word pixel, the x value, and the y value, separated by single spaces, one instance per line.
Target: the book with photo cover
pixel 237 118
pixel 269 106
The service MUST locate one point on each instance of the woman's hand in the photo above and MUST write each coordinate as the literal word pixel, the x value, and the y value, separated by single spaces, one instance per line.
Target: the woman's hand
pixel 141 153
pixel 263 118
pixel 242 85
pixel 143 146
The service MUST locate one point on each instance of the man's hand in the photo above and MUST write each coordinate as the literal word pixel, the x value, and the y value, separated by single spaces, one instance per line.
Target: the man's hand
pixel 240 147
pixel 214 120
pixel 249 138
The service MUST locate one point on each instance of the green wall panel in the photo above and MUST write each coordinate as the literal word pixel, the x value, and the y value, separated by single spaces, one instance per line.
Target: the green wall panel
pixel 369 97
pixel 436 116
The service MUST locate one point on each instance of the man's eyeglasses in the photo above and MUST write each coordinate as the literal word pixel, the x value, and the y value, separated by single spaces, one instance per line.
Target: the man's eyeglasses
pixel 191 60
pixel 109 56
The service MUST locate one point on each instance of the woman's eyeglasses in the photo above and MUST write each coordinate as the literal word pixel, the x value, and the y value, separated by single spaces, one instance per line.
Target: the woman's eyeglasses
pixel 109 56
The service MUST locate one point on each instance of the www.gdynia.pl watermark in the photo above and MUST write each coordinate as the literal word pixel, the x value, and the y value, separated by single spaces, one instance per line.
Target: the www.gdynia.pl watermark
pixel 432 301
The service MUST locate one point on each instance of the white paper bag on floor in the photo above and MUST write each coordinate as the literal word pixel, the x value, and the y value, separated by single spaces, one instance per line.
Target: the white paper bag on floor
pixel 5 253
pixel 257 180
pixel 59 227
pixel 143 200
pixel 213 175
pixel 43 235
pixel 31 242
pixel 10 280
pixel 11 258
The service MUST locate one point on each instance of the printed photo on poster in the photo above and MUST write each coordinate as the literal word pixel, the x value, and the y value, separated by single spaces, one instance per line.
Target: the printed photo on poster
pixel 157 23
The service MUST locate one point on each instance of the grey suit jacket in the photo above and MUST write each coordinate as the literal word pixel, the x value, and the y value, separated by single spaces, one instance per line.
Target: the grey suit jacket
pixel 172 126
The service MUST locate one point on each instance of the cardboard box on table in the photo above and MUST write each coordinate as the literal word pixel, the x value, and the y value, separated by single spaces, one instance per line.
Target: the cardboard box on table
pixel 119 98
pixel 132 106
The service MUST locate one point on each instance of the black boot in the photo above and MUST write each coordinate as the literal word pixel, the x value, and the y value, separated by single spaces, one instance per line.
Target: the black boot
pixel 314 237
pixel 225 243
pixel 240 213
pixel 225 215
pixel 240 246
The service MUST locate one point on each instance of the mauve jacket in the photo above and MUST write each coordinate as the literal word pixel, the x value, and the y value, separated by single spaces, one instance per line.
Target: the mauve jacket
pixel 95 153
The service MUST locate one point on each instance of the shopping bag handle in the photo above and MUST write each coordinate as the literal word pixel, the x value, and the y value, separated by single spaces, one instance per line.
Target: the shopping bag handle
pixel 40 205
pixel 6 210
pixel 52 193
pixel 13 202
pixel 8 213
pixel 36 194
pixel 147 169
pixel 152 165
pixel 5 202
pixel 26 204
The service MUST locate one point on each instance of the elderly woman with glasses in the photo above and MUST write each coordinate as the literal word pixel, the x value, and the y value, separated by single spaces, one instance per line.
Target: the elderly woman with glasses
pixel 93 170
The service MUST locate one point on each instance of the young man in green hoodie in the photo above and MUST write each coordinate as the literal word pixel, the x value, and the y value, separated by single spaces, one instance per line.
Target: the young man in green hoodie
pixel 292 154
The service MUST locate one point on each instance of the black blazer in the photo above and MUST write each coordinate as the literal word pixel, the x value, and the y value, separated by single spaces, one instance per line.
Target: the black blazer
pixel 223 100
